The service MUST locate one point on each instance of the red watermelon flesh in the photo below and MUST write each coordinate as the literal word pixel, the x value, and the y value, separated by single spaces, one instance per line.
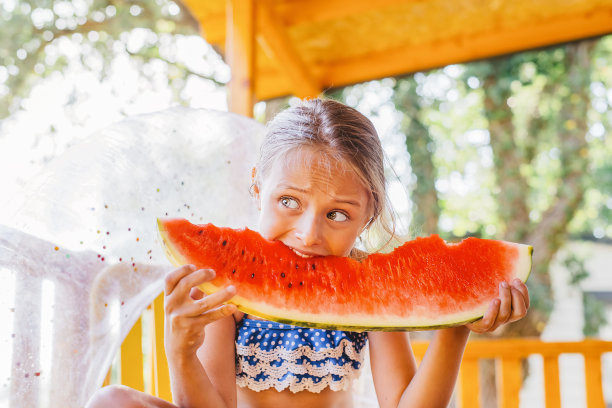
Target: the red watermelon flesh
pixel 423 284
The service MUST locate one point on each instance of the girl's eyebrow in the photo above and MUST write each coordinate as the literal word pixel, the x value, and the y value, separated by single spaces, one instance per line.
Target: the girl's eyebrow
pixel 284 186
pixel 306 191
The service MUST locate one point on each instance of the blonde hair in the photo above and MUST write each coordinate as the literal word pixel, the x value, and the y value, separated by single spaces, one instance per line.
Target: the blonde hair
pixel 339 133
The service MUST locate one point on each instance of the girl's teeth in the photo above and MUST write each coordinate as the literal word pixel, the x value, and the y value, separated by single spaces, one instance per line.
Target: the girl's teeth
pixel 301 254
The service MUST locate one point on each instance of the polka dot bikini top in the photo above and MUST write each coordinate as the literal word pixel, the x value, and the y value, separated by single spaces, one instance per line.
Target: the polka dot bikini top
pixel 282 356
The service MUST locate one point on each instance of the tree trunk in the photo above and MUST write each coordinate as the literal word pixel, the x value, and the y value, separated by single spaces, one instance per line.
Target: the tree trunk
pixel 550 233
pixel 421 148
pixel 508 157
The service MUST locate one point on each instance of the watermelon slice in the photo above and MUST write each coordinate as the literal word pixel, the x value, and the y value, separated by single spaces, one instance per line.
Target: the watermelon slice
pixel 423 284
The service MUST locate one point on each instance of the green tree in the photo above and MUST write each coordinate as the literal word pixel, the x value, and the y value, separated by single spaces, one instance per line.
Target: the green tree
pixel 102 30
pixel 541 171
pixel 544 165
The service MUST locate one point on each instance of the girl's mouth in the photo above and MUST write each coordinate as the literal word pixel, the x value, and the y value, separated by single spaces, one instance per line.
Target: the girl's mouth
pixel 301 254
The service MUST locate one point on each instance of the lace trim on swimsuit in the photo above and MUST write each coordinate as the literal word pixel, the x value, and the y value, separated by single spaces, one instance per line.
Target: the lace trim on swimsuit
pixel 272 355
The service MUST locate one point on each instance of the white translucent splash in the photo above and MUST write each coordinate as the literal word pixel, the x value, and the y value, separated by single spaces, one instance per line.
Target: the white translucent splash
pixel 80 241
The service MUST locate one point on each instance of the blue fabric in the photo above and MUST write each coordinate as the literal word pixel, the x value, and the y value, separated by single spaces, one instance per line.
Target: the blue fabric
pixel 271 354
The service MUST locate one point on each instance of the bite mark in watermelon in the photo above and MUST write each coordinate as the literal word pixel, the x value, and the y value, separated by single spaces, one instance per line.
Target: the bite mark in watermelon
pixel 423 284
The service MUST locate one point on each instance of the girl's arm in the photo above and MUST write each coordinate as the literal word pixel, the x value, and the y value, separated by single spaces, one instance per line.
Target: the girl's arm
pixel 397 381
pixel 399 384
pixel 188 313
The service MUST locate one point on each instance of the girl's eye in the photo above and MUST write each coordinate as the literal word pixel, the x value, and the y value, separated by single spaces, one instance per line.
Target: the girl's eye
pixel 337 216
pixel 289 202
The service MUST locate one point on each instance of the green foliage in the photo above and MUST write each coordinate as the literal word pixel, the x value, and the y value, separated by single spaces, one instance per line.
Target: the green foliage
pixel 593 309
pixel 594 315
pixel 576 268
pixel 514 148
pixel 41 38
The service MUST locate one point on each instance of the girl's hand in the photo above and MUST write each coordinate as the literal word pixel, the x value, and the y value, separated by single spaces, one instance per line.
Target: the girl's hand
pixel 188 310
pixel 511 306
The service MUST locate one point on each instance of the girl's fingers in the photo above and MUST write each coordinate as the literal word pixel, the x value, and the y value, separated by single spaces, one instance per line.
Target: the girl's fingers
pixel 521 287
pixel 505 307
pixel 174 277
pixel 519 308
pixel 183 287
pixel 215 300
pixel 207 303
pixel 196 294
pixel 215 314
pixel 488 320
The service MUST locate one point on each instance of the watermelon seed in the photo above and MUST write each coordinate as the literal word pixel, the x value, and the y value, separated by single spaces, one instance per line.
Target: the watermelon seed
pixel 301 283
pixel 224 243
pixel 297 266
pixel 282 274
pixel 314 267
pixel 243 252
pixel 253 259
pixel 289 285
pixel 233 271
pixel 200 232
pixel 252 275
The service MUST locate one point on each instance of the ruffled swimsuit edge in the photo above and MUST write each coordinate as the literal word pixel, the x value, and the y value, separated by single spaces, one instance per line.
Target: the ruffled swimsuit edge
pixel 282 356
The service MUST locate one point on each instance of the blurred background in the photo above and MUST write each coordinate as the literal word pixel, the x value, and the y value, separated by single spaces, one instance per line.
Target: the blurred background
pixel 514 146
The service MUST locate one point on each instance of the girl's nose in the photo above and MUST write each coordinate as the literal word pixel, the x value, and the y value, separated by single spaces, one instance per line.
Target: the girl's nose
pixel 308 230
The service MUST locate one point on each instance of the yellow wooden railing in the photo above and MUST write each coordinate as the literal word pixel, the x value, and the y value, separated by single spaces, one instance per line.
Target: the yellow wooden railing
pixel 151 375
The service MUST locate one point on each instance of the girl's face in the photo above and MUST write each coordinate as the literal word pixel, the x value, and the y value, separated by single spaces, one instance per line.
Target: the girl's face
pixel 314 208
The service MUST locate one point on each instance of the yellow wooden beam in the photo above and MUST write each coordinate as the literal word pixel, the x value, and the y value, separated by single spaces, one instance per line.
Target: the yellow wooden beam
pixel 523 347
pixel 273 37
pixel 289 13
pixel 240 55
pixel 400 61
pixel 297 12
pixel 457 50
pixel 212 29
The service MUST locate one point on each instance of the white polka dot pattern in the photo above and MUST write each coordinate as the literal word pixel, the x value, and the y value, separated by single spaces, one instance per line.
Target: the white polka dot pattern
pixel 298 359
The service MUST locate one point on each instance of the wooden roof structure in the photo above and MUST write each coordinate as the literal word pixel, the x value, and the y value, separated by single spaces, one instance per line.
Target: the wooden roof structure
pixel 301 47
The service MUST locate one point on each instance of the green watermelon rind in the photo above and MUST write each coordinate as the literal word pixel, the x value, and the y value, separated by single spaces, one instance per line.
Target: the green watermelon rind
pixel 298 318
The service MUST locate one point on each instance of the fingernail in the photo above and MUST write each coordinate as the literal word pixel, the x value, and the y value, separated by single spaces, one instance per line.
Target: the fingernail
pixel 504 285
pixel 231 288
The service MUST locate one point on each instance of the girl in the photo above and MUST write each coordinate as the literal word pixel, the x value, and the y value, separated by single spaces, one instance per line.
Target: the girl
pixel 319 185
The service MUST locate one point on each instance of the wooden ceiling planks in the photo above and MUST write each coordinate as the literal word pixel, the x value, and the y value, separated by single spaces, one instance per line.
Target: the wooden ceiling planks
pixel 304 46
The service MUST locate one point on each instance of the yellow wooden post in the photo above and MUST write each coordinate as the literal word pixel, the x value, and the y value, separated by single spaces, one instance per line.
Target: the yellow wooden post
pixel 161 382
pixel 469 385
pixel 592 374
pixel 131 358
pixel 271 31
pixel 240 55
pixel 552 389
pixel 107 379
pixel 508 382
